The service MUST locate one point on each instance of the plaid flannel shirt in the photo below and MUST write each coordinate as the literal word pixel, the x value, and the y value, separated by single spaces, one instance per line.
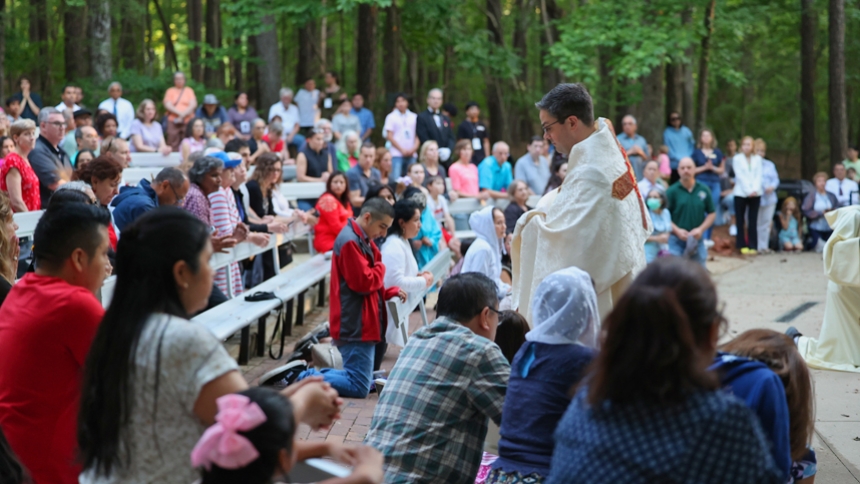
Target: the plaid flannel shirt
pixel 431 419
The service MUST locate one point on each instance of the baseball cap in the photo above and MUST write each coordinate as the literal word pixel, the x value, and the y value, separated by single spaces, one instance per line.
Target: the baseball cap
pixel 228 161
pixel 210 99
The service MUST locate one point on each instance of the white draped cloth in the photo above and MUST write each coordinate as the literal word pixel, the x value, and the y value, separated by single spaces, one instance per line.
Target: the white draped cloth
pixel 596 221
pixel 564 310
pixel 401 270
pixel 485 253
pixel 838 344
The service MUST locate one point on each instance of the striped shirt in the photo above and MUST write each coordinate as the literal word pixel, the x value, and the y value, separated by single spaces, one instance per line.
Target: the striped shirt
pixel 225 217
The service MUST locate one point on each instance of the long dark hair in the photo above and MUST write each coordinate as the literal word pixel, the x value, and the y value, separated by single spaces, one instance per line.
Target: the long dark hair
pixel 343 198
pixel 269 438
pixel 11 470
pixel 404 210
pixel 651 349
pixel 146 255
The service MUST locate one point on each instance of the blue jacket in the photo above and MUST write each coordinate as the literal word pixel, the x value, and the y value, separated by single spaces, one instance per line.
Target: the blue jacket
pixel 762 390
pixel 132 202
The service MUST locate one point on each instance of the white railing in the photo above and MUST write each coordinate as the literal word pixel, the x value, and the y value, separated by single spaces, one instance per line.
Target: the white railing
pixel 27 222
pixel 147 160
pixel 306 190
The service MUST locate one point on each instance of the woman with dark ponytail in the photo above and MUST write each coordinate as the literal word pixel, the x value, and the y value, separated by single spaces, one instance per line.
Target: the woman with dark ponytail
pixel 650 411
pixel 152 377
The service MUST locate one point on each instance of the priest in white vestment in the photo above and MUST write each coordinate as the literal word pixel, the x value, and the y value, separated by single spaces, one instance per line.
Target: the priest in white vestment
pixel 596 220
pixel 838 344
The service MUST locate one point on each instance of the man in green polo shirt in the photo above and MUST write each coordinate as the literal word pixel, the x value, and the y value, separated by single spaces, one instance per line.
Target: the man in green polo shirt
pixel 692 210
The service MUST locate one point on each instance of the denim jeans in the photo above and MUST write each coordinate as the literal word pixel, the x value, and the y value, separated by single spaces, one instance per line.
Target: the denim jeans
pixel 678 246
pixel 714 186
pixel 398 166
pixel 357 374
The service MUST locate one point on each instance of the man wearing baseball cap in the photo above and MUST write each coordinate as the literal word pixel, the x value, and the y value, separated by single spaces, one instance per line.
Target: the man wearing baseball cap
pixel 212 113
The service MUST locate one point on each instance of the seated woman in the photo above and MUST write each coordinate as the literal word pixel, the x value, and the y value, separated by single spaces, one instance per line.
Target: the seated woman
pixel 764 369
pixel 511 333
pixel 485 253
pixel 428 242
pixel 464 174
pixel 658 241
pixel 791 228
pixel 147 359
pixel 553 359
pixel 383 164
pixel 102 174
pixel 334 210
pixel 266 447
pixel 649 410
pixel 106 126
pixel 147 135
pixel 518 191
pixel 401 269
pixel 195 138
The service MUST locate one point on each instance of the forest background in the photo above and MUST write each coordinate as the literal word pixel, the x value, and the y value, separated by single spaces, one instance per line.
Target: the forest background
pixel 774 69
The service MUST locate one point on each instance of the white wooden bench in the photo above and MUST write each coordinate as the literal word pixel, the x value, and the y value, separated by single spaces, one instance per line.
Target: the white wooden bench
pixel 400 311
pixel 132 176
pixel 302 190
pixel 27 222
pixel 237 314
pixel 146 160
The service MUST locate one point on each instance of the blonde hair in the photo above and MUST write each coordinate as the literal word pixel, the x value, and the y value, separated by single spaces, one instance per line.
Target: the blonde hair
pixel 21 126
pixel 759 144
pixel 8 268
pixel 139 113
pixel 422 153
pixel 818 175
pixel 713 138
pixel 377 161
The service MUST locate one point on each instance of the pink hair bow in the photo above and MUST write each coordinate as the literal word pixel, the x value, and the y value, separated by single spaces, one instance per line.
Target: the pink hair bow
pixel 221 444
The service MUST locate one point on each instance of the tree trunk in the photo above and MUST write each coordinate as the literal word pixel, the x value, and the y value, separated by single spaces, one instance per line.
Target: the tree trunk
pixel 412 72
pixel 674 90
pixel 74 25
pixel 2 49
pixel 236 78
pixel 549 13
pixel 365 67
pixel 324 44
pixel 495 100
pixel 838 117
pixel 100 55
pixel 253 76
pixel 602 93
pixel 392 51
pixel 195 34
pixel 688 110
pixel 131 34
pixel 169 50
pixel 704 58
pixel 269 70
pixel 213 75
pixel 808 27
pixel 39 37
pixel 651 121
pixel 307 40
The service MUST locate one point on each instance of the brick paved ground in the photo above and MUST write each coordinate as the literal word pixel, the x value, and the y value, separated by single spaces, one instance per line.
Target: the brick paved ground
pixel 356 414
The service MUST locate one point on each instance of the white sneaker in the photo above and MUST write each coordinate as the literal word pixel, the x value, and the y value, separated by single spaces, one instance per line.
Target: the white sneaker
pixel 709 243
pixel 733 231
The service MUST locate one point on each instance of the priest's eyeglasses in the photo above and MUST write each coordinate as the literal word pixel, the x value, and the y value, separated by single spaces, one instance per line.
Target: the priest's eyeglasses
pixel 550 125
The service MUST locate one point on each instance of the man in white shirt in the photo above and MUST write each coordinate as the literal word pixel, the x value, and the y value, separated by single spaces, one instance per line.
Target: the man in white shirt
pixel 307 99
pixel 70 93
pixel 844 189
pixel 119 107
pixel 289 114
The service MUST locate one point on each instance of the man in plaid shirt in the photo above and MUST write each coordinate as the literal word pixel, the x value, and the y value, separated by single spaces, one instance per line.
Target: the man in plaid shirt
pixel 431 419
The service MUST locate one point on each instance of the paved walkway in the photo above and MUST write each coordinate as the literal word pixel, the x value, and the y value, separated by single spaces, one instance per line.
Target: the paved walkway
pixel 757 292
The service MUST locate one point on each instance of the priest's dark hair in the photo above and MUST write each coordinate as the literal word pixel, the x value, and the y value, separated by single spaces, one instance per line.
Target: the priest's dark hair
pixel 566 100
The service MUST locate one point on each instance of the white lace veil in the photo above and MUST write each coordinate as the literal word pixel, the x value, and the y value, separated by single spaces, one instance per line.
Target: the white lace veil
pixel 564 310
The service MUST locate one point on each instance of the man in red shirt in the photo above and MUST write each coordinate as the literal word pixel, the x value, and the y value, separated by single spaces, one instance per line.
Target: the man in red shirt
pixel 47 324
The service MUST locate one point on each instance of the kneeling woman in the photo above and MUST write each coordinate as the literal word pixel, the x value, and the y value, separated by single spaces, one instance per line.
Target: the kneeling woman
pixel 553 359
pixel 650 411
pixel 485 253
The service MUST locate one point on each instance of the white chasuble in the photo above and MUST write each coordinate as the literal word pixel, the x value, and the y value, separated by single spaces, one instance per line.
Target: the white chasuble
pixel 838 344
pixel 596 221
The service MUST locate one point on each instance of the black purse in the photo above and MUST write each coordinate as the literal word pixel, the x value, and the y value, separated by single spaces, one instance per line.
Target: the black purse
pixel 280 323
